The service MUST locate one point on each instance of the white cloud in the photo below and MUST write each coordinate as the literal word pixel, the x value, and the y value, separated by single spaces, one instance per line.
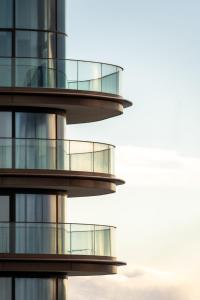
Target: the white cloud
pixel 153 167
pixel 135 284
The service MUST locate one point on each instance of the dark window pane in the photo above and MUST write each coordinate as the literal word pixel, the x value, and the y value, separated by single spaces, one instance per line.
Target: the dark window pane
pixel 61 127
pixel 35 289
pixel 62 209
pixel 6 288
pixel 35 125
pixel 35 14
pixel 5 144
pixel 5 124
pixel 37 238
pixel 5 72
pixel 4 209
pixel 62 46
pixel 35 44
pixel 5 44
pixel 35 208
pixel 62 16
pixel 62 289
pixel 35 144
pixel 6 13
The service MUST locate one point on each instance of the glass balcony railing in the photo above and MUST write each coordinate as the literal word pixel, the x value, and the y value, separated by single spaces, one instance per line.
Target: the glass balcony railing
pixel 50 238
pixel 60 73
pixel 56 155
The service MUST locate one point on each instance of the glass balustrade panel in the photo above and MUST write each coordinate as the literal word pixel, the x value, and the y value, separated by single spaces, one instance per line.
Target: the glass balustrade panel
pixel 35 154
pixel 102 241
pixel 64 239
pixel 101 158
pixel 109 79
pixel 5 72
pixel 67 72
pixel 63 155
pixel 35 238
pixel 82 239
pixel 6 146
pixel 47 238
pixel 4 237
pixel 89 76
pixel 32 72
pixel 81 156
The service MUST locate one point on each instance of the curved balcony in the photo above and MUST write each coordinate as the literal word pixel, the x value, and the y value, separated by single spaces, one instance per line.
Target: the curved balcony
pixel 52 154
pixel 88 91
pixel 60 73
pixel 80 168
pixel 62 239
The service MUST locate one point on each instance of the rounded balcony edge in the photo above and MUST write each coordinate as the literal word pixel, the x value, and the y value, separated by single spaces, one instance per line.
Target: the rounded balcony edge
pixel 70 265
pixel 74 183
pixel 80 106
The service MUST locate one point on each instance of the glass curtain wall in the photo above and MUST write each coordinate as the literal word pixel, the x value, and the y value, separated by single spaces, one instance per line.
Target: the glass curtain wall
pixel 32 140
pixel 29 222
pixel 32 38
pixel 6 14
pixel 37 230
pixel 20 288
pixel 35 140
pixel 36 14
pixel 6 288
pixel 5 139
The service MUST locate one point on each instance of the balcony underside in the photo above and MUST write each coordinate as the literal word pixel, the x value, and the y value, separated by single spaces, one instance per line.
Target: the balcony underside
pixel 70 265
pixel 76 184
pixel 80 106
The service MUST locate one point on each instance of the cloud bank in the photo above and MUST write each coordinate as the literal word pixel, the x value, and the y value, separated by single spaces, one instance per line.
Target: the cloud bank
pixel 152 167
pixel 135 284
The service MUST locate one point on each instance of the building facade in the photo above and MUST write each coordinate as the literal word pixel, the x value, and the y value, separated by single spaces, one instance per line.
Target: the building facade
pixel 41 91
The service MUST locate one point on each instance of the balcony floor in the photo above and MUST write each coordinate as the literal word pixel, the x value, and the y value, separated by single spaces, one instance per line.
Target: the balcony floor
pixel 81 106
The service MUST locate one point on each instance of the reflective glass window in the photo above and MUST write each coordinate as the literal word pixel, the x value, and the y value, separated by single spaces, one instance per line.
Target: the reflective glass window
pixel 5 288
pixel 6 13
pixel 61 46
pixel 61 127
pixel 62 16
pixel 6 43
pixel 35 289
pixel 35 44
pixel 66 74
pixel 35 144
pixel 62 289
pixel 62 209
pixel 5 72
pixel 35 208
pixel 35 125
pixel 35 14
pixel 4 209
pixel 5 124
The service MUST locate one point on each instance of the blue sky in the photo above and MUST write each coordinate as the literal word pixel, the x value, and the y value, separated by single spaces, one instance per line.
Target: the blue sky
pixel 158 145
